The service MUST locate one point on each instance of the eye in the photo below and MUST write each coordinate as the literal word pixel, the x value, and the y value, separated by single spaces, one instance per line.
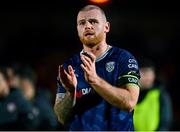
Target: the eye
pixel 82 22
pixel 93 21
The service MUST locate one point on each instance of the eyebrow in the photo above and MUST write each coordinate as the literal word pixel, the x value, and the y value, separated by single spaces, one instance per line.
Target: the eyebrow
pixel 90 19
pixel 93 19
pixel 81 20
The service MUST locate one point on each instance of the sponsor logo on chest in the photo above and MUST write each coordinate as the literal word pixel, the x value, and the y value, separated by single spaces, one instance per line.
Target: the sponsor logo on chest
pixel 83 91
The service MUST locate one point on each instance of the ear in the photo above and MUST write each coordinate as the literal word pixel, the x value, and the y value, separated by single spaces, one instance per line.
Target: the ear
pixel 107 27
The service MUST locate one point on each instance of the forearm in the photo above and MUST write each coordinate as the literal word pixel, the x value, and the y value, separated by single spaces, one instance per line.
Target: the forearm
pixel 118 97
pixel 63 108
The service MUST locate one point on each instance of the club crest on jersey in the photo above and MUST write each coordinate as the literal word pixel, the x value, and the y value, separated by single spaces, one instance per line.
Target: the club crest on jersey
pixel 110 66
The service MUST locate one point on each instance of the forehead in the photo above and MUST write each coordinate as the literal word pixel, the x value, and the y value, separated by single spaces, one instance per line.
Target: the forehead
pixel 95 14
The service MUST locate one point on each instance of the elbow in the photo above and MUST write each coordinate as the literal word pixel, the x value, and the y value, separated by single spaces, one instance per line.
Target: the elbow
pixel 61 121
pixel 56 113
pixel 59 117
pixel 129 107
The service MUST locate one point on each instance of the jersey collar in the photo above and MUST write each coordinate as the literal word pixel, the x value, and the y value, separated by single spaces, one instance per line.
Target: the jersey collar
pixel 103 55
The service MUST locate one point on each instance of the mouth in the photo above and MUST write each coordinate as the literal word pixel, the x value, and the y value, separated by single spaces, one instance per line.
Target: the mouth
pixel 88 34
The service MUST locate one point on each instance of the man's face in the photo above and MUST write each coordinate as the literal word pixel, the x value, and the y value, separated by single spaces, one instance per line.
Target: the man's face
pixel 92 27
pixel 28 89
pixel 14 80
pixel 147 77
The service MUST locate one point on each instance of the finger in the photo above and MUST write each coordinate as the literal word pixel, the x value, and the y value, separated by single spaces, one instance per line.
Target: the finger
pixel 63 73
pixel 87 59
pixel 61 70
pixel 70 70
pixel 58 77
pixel 93 57
pixel 84 68
pixel 85 62
pixel 86 54
pixel 63 76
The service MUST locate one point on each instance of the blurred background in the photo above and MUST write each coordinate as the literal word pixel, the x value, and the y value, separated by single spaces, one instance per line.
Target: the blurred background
pixel 43 34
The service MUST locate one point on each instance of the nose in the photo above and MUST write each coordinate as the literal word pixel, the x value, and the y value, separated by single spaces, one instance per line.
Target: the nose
pixel 88 25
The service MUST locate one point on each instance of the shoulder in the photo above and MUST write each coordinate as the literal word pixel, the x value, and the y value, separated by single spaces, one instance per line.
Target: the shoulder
pixel 122 54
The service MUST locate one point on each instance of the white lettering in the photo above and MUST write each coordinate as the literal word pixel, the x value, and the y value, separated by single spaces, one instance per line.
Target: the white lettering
pixel 132 66
pixel 132 61
pixel 132 80
pixel 86 90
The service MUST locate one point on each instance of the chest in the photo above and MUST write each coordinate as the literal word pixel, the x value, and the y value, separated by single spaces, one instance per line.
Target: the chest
pixel 107 70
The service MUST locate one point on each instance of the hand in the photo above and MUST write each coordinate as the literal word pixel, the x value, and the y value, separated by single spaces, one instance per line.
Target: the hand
pixel 68 80
pixel 89 67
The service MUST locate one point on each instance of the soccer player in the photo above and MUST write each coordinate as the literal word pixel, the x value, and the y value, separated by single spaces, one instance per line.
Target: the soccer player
pixel 98 87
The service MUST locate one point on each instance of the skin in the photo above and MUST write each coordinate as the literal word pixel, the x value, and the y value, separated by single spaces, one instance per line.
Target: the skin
pixel 147 77
pixel 4 89
pixel 14 80
pixel 92 28
pixel 28 89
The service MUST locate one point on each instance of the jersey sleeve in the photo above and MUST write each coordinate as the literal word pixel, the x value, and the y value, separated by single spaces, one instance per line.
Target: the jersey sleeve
pixel 60 89
pixel 128 70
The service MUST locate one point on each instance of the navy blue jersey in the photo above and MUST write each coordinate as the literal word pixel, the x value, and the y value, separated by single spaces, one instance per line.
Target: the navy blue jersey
pixel 91 111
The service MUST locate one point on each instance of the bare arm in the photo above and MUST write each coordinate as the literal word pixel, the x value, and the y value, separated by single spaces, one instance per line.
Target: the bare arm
pixel 122 97
pixel 64 104
pixel 63 107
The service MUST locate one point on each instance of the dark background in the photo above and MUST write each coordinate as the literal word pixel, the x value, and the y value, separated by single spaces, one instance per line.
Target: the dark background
pixel 43 34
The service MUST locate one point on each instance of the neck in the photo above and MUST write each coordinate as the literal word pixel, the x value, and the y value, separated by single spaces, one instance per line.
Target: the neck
pixel 97 50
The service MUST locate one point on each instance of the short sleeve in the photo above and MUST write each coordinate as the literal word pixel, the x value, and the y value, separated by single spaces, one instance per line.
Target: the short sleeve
pixel 60 90
pixel 128 70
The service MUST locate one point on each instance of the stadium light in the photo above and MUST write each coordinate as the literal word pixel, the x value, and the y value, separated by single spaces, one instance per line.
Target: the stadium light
pixel 99 1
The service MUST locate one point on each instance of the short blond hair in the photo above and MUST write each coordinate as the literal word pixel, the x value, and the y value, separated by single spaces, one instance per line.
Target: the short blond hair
pixel 92 7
